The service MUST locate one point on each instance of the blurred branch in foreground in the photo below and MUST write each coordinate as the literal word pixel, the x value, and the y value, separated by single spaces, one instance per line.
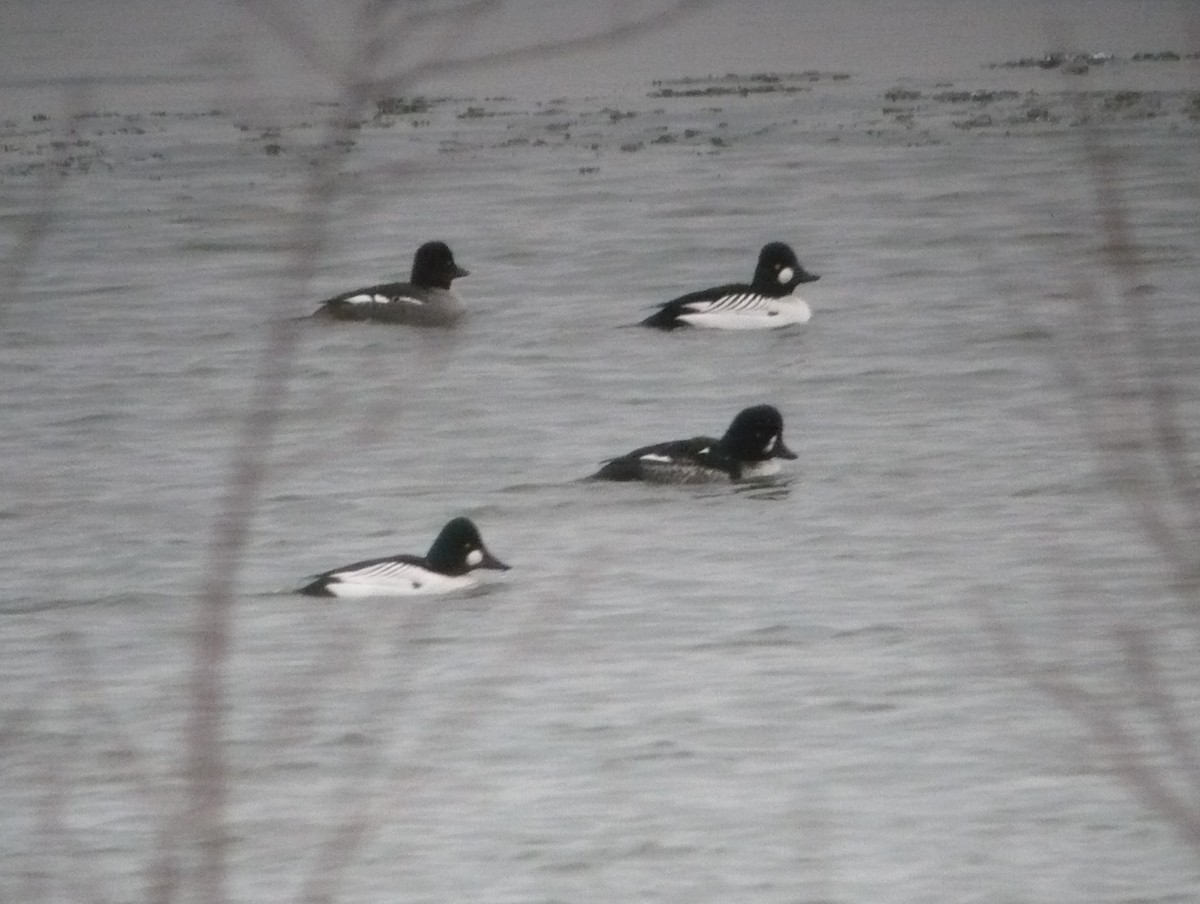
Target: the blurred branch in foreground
pixel 40 224
pixel 364 74
pixel 1115 358
pixel 1132 407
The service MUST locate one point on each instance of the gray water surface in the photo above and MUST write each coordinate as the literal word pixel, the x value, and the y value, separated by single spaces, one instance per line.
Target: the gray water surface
pixel 790 692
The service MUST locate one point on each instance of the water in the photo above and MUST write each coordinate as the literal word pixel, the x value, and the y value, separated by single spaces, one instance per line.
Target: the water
pixel 796 692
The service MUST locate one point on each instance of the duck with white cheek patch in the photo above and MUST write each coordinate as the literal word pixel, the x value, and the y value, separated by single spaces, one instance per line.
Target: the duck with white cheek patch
pixel 766 303
pixel 457 552
pixel 750 448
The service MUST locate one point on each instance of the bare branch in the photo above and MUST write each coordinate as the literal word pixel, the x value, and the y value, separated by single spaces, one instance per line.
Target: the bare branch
pixel 1143 662
pixel 462 17
pixel 33 236
pixel 371 805
pixel 299 38
pixel 1124 756
pixel 356 74
pixel 1167 447
pixel 1101 719
pixel 399 81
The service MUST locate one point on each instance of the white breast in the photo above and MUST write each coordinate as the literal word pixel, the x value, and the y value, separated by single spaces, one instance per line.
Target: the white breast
pixel 766 468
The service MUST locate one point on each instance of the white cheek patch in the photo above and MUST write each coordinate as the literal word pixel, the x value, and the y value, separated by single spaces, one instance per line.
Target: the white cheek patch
pixel 770 446
pixel 785 275
pixel 474 557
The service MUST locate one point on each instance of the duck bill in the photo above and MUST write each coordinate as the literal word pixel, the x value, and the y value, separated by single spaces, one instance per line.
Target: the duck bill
pixel 490 561
pixel 460 272
pixel 804 276
pixel 782 451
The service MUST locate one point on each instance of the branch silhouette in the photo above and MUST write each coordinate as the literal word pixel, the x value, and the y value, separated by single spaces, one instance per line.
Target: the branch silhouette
pixel 249 466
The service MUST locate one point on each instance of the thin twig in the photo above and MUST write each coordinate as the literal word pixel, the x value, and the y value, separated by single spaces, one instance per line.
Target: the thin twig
pixel 1143 661
pixel 1168 446
pixel 41 221
pixel 1100 718
pixel 371 807
pixel 1125 758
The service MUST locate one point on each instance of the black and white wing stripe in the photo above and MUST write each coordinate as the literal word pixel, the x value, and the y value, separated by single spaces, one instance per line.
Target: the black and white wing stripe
pixel 738 302
pixel 385 571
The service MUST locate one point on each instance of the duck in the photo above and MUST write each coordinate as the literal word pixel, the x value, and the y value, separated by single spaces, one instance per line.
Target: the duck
pixel 766 303
pixel 425 300
pixel 456 553
pixel 750 448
